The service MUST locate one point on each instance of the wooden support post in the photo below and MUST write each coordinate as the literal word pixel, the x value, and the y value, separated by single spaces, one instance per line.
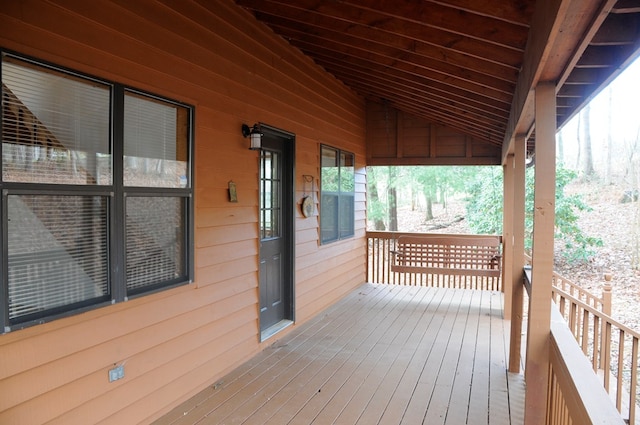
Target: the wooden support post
pixel 507 233
pixel 539 321
pixel 606 294
pixel 517 259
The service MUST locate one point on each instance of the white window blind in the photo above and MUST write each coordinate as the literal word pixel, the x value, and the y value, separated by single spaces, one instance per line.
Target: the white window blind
pixel 77 234
pixel 155 143
pixel 55 126
pixel 154 239
pixel 57 249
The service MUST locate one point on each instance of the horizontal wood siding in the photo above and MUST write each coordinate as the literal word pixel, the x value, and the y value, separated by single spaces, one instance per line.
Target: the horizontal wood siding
pixel 215 56
pixel 397 138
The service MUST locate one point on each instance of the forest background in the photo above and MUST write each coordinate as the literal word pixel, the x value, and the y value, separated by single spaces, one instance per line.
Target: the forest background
pixel 597 208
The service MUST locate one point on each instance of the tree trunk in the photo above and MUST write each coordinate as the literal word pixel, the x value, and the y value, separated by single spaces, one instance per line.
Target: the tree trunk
pixel 579 140
pixel 608 166
pixel 429 215
pixel 587 157
pixel 378 223
pixel 391 198
pixel 560 148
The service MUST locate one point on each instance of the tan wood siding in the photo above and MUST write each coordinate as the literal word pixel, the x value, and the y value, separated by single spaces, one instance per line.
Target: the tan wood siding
pixel 215 56
pixel 397 138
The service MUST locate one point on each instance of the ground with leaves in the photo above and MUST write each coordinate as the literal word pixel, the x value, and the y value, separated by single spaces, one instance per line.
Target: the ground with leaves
pixel 609 219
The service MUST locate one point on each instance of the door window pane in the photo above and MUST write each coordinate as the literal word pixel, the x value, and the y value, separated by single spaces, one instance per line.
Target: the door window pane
pixel 271 186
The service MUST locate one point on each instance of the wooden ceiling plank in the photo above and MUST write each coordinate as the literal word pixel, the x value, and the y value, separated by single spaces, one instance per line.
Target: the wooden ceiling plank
pixel 392 65
pixel 618 29
pixel 431 108
pixel 515 11
pixel 409 82
pixel 393 91
pixel 486 132
pixel 626 6
pixel 394 57
pixel 374 39
pixel 482 134
pixel 598 57
pixel 586 76
pixel 449 19
pixel 345 22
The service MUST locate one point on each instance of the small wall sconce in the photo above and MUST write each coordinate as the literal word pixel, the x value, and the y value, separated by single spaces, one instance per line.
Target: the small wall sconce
pixel 255 136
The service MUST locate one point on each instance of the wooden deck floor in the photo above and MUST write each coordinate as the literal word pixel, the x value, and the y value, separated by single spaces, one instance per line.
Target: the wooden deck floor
pixel 383 355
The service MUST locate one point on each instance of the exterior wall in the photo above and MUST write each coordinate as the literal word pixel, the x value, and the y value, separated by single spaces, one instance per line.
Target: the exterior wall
pixel 215 56
pixel 397 138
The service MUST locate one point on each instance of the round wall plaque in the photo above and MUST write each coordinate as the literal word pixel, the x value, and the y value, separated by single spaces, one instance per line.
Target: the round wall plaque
pixel 307 206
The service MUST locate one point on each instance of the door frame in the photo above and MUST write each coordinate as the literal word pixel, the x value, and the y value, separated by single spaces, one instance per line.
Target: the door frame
pixel 288 227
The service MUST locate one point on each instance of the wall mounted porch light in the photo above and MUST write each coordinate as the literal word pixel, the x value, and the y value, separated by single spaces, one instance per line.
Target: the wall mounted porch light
pixel 254 134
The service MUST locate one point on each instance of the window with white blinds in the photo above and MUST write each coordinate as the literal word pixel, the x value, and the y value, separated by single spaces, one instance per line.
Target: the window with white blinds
pixel 155 148
pixel 57 252
pixel 55 127
pixel 96 188
pixel 154 235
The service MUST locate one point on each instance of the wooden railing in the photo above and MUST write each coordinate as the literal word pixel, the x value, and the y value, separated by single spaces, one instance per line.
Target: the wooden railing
pixel 575 395
pixel 440 260
pixel 610 347
pixel 602 303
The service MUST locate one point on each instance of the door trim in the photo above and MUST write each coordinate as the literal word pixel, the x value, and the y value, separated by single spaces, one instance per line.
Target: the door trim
pixel 288 228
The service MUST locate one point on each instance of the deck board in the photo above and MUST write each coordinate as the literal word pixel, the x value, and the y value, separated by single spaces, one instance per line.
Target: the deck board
pixel 383 355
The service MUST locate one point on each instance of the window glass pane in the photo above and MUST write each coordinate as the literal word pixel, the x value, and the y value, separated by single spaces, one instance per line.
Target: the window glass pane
pixel 347 173
pixel 337 199
pixel 155 235
pixel 155 143
pixel 330 171
pixel 329 217
pixel 346 215
pixel 57 253
pixel 55 126
pixel 270 195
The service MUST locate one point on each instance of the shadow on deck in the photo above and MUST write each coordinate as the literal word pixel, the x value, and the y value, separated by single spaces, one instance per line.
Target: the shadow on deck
pixel 383 355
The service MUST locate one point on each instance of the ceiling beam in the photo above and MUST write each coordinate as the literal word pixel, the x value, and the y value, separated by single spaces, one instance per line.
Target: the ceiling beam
pixel 560 33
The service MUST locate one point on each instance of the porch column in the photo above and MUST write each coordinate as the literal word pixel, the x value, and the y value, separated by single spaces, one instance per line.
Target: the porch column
pixel 507 234
pixel 516 245
pixel 539 322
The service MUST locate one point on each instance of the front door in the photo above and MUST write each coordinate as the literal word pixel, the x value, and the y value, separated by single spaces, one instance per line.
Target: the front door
pixel 276 232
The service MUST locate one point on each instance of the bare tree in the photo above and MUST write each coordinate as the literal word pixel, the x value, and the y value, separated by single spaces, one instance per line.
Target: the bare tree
pixel 560 142
pixel 392 199
pixel 609 140
pixel 587 157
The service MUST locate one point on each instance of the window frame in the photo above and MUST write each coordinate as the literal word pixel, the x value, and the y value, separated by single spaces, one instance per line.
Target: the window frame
pixel 340 197
pixel 115 194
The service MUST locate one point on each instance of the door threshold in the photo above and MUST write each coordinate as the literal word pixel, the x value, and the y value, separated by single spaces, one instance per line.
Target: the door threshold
pixel 274 329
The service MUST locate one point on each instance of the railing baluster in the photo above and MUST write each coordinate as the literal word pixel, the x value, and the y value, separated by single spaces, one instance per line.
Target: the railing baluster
pixel 620 369
pixel 607 357
pixel 585 332
pixel 634 381
pixel 596 342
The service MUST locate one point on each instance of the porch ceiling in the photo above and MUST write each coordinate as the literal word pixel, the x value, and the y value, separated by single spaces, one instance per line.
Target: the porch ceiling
pixel 466 64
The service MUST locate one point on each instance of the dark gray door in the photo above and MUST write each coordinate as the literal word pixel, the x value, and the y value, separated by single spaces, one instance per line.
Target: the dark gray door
pixel 276 230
